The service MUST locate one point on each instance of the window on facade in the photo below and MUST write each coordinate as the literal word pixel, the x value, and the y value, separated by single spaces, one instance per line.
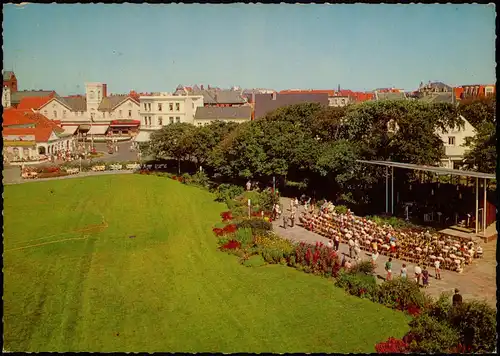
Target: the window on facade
pixel 145 106
pixel 55 114
pixel 160 121
pixel 149 106
pixel 171 106
pixel 45 112
pixel 171 119
pixel 192 104
pixel 178 119
pixel 145 121
pixel 103 115
pixel 64 113
pixel 120 113
pixel 130 113
pixel 177 107
pixel 159 107
pixel 451 140
pixel 149 121
pixel 26 152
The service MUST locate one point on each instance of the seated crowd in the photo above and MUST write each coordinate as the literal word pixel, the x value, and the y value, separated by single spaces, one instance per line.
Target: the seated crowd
pixel 419 247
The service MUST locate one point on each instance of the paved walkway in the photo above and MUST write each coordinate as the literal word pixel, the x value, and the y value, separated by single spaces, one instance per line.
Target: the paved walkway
pixel 478 280
pixel 79 175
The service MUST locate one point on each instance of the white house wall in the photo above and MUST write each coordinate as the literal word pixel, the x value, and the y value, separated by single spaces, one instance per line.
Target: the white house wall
pixel 125 107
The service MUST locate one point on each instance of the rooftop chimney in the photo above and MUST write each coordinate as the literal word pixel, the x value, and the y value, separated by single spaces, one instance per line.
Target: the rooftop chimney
pixel 201 86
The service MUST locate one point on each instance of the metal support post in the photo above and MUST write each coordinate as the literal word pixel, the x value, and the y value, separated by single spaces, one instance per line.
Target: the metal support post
pixel 392 190
pixel 484 210
pixel 386 189
pixel 477 203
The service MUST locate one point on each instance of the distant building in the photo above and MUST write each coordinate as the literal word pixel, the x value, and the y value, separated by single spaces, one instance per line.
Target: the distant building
pixel 10 81
pixel 31 137
pixel 435 92
pixel 238 114
pixel 266 103
pixel 214 96
pixel 454 141
pixel 160 110
pixel 6 96
pixel 475 91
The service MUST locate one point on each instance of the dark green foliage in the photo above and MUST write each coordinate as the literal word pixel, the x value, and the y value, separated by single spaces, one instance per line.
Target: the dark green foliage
pixel 428 335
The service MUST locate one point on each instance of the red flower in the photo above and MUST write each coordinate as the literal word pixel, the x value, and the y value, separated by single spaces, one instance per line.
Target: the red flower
pixel 226 216
pixel 231 245
pixel 229 229
pixel 218 231
pixel 391 346
pixel 413 310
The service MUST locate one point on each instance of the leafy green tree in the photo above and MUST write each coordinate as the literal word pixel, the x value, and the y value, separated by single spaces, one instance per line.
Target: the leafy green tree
pixel 172 141
pixel 481 113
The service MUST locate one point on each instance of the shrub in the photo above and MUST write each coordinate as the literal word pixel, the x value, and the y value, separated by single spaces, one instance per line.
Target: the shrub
pixel 258 225
pixel 341 209
pixel 225 192
pixel 359 284
pixel 441 308
pixel 392 346
pixel 319 259
pixel 403 294
pixel 428 335
pixel 365 267
pixel 244 236
pixel 476 323
pixel 200 179
pixel 254 261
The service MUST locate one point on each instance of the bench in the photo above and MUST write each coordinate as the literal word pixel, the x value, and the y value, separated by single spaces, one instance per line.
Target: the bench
pixel 99 168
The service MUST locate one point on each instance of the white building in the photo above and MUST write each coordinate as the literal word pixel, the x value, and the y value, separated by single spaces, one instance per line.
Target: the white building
pixel 6 97
pixel 95 113
pixel 454 141
pixel 162 109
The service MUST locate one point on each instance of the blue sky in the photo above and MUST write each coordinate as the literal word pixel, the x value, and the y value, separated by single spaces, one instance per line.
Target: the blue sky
pixel 157 47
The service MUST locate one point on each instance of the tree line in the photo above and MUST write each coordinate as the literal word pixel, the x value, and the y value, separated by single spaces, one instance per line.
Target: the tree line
pixel 316 147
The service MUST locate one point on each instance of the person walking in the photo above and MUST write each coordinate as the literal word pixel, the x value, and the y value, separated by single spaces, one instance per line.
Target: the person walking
pixel 404 272
pixel 292 216
pixel 418 274
pixel 437 269
pixel 357 250
pixel 336 241
pixel 284 221
pixel 351 246
pixel 457 298
pixel 425 277
pixel 388 269
pixel 249 186
pixel 374 258
pixel 329 244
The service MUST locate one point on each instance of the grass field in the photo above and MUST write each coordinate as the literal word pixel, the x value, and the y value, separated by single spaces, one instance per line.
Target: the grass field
pixel 74 280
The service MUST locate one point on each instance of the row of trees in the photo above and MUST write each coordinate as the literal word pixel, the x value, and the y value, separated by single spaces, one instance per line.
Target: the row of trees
pixel 319 146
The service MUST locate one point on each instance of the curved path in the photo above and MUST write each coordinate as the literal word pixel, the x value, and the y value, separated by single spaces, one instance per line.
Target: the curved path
pixel 478 280
pixel 79 175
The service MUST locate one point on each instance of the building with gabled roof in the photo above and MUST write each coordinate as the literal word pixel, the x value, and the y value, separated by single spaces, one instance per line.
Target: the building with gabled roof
pixel 208 114
pixel 28 136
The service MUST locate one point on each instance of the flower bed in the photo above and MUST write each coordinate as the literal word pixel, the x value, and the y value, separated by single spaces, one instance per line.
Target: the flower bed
pixel 53 174
pixel 434 326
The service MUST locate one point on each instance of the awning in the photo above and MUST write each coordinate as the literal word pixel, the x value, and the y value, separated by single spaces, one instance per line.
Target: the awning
pixel 84 127
pixel 70 130
pixel 98 130
pixel 143 136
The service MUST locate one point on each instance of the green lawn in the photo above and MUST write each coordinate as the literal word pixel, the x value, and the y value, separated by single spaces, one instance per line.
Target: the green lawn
pixel 167 289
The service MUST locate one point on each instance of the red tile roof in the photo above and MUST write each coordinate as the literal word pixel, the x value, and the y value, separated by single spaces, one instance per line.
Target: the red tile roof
pixel 33 102
pixel 15 117
pixel 310 91
pixel 42 134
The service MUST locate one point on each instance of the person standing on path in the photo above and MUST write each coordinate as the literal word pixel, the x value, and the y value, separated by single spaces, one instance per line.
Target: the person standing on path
pixel 425 277
pixel 249 186
pixel 404 272
pixel 457 298
pixel 351 246
pixel 284 221
pixel 330 244
pixel 357 251
pixel 437 269
pixel 418 274
pixel 388 269
pixel 374 259
pixel 292 216
pixel 337 241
